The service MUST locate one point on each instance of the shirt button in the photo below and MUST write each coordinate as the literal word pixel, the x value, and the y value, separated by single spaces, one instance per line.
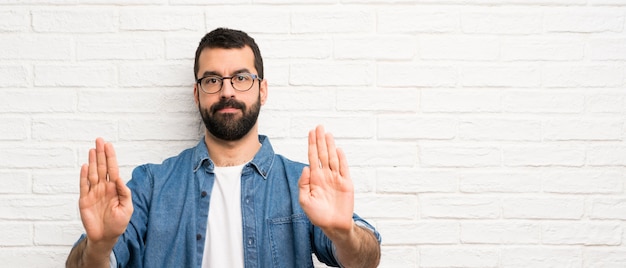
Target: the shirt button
pixel 198 236
pixel 250 241
pixel 247 200
pixel 203 194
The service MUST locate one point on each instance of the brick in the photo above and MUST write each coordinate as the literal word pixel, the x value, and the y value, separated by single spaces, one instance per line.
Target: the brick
pixel 139 152
pixel 332 74
pixel 453 47
pixel 564 76
pixel 14 128
pixel 123 2
pixel 422 232
pixel 552 48
pixel 500 76
pixel 606 155
pixel 606 102
pixel 277 74
pixel 15 76
pixel 500 181
pixel 364 179
pixel 398 256
pixel 604 257
pixel 14 20
pixel 498 21
pixel 386 206
pixel 544 155
pixel 422 20
pixel 411 180
pixel 119 48
pixel 156 75
pixel 157 128
pixel 341 21
pixel 303 99
pixel 607 49
pixel 378 100
pixel 504 232
pixel 77 20
pixel 57 234
pixel 608 208
pixel 57 182
pixel 48 101
pixel 459 156
pixel 182 46
pixel 458 256
pixel 296 47
pixel 586 129
pixel 382 154
pixel 583 20
pixel 75 75
pixel 380 47
pixel 33 256
pixel 582 233
pixel 405 127
pixel 15 182
pixel 460 100
pixel 37 208
pixel 259 20
pixel 541 257
pixel 36 47
pixel 273 124
pixel 412 75
pixel 16 234
pixel 500 129
pixel 584 181
pixel 459 207
pixel 564 208
pixel 542 102
pixel 170 19
pixel 339 126
pixel 28 156
pixel 71 129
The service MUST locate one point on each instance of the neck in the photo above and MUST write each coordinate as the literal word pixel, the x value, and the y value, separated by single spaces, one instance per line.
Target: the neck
pixel 232 153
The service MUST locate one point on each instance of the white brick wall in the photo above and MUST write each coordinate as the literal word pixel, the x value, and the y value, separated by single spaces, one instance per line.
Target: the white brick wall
pixel 488 133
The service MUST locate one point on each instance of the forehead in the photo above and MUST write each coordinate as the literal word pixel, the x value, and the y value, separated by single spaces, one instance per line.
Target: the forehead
pixel 224 61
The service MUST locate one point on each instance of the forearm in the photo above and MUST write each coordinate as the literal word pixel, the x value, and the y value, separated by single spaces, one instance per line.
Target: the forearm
pixel 358 248
pixel 88 255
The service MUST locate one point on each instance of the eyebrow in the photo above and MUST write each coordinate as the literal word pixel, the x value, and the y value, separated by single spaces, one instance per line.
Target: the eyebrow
pixel 212 73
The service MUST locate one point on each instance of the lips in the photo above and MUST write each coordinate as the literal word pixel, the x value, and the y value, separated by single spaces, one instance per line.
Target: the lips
pixel 227 106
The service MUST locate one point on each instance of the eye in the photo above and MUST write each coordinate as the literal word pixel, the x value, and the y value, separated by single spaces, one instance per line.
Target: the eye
pixel 209 80
pixel 242 77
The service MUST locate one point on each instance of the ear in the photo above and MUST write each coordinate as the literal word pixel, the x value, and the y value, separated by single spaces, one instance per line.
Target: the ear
pixel 195 93
pixel 263 91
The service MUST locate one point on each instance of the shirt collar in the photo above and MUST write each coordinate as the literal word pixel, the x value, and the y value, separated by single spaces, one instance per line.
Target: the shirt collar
pixel 262 161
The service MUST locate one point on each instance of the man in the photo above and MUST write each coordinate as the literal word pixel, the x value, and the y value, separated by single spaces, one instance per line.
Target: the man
pixel 230 201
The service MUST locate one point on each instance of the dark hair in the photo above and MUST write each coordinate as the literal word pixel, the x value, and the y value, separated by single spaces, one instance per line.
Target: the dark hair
pixel 229 38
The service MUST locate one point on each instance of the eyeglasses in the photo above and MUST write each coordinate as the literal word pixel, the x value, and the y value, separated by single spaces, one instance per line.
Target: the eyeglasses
pixel 211 84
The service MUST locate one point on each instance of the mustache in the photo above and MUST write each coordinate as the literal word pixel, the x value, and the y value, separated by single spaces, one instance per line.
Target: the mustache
pixel 228 103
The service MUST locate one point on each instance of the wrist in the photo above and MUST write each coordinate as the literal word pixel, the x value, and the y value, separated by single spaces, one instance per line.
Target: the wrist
pixel 97 252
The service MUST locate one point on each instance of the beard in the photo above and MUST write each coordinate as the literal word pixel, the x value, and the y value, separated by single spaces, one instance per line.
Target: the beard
pixel 226 126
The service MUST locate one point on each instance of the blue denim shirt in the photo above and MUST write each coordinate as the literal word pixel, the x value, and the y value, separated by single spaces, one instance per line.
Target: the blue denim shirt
pixel 171 205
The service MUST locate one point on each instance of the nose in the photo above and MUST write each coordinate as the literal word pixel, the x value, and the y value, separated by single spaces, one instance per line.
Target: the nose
pixel 227 89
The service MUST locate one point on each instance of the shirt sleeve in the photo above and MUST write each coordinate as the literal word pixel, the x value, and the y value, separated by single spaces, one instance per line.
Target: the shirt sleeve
pixel 325 250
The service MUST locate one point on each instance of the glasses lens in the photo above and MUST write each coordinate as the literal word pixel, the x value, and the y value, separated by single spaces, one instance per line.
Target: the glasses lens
pixel 242 81
pixel 211 84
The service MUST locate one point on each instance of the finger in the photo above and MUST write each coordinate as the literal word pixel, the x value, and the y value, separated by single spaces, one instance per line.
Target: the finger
pixel 113 170
pixel 304 185
pixel 314 161
pixel 92 171
pixel 123 193
pixel 101 160
pixel 333 161
pixel 344 170
pixel 84 179
pixel 322 151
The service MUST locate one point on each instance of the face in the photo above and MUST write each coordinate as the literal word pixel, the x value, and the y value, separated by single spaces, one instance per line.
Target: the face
pixel 229 114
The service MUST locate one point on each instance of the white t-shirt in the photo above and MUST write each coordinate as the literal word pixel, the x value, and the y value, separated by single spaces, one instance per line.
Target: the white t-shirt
pixel 224 233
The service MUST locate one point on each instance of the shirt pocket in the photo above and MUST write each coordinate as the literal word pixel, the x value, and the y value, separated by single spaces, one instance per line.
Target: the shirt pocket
pixel 290 241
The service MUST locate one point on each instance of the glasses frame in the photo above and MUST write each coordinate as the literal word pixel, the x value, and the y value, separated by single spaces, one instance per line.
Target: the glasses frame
pixel 222 78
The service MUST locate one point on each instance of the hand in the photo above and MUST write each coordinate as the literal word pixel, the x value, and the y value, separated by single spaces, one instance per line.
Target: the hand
pixel 105 201
pixel 326 190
